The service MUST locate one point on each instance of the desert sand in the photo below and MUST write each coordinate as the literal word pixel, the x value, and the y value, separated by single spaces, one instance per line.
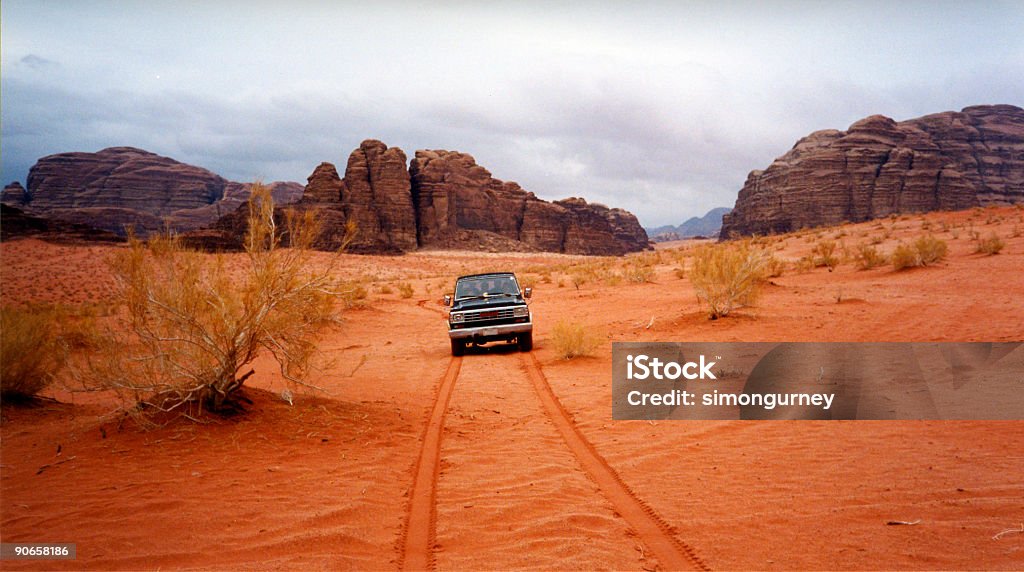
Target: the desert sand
pixel 532 472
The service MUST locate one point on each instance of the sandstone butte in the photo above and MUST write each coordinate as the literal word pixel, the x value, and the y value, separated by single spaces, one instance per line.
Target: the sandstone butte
pixel 439 200
pixel 444 200
pixel 878 167
pixel 122 186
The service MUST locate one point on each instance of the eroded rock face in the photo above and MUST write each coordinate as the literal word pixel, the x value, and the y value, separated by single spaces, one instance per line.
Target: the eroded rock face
pixel 453 194
pixel 878 167
pixel 376 195
pixel 122 186
pixel 14 194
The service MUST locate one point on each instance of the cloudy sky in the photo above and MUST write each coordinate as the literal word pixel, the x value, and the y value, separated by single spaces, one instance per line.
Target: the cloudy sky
pixel 661 108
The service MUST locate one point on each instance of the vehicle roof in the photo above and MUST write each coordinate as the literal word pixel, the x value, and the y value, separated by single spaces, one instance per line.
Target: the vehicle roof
pixel 488 275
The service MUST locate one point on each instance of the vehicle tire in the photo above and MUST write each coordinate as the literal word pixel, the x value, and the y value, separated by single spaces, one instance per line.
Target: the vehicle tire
pixel 458 348
pixel 525 341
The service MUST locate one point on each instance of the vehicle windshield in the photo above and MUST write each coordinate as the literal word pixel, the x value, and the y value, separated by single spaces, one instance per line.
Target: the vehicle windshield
pixel 486 286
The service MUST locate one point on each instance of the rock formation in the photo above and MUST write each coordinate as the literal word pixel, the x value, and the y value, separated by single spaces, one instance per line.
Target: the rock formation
pixel 122 186
pixel 454 195
pixel 15 223
pixel 878 167
pixel 444 200
pixel 13 194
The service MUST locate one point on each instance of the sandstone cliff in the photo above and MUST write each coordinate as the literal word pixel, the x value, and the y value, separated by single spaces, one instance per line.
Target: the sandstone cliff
pixel 945 161
pixel 460 205
pixel 122 186
pixel 443 200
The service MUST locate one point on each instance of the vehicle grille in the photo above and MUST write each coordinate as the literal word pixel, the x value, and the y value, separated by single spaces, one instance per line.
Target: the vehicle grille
pixel 488 315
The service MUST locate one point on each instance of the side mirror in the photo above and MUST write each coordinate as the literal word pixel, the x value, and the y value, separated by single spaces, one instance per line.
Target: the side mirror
pixel 527 292
pixel 447 300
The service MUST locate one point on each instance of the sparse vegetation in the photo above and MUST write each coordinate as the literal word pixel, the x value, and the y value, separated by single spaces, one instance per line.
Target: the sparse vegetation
pixel 867 257
pixel 825 254
pixel 990 245
pixel 405 290
pixel 31 352
pixel 924 251
pixel 572 339
pixel 195 325
pixel 727 276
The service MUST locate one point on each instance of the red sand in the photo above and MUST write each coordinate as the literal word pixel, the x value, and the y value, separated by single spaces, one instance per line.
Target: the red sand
pixel 533 472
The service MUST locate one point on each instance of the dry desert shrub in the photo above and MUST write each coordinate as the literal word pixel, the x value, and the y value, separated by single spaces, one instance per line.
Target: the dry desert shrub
pixel 572 339
pixel 194 324
pixel 638 272
pixel 990 245
pixel 924 251
pixel 405 290
pixel 31 352
pixel 727 276
pixel 774 267
pixel 824 254
pixel 867 256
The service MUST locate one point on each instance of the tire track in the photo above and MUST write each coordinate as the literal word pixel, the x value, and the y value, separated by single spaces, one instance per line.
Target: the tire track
pixel 671 552
pixel 420 525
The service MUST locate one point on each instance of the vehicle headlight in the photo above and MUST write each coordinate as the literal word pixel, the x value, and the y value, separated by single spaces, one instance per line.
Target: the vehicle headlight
pixel 520 311
pixel 457 318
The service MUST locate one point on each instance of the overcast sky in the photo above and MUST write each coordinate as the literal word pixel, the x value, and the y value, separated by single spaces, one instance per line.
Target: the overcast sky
pixel 661 108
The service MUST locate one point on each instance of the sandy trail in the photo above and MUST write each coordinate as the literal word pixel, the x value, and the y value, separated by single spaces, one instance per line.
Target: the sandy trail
pixel 510 494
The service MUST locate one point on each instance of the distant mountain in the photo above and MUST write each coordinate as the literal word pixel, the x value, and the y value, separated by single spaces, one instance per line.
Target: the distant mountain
pixel 124 186
pixel 707 225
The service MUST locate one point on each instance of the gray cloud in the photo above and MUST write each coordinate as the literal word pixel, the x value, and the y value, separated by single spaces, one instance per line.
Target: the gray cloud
pixel 661 108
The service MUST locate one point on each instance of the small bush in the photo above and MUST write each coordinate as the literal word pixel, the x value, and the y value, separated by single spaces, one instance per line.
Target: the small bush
pixel 638 273
pixel 990 245
pixel 31 352
pixel 405 290
pixel 924 251
pixel 352 295
pixel 727 276
pixel 825 254
pixel 774 267
pixel 572 339
pixel 867 257
pixel 195 324
pixel 930 249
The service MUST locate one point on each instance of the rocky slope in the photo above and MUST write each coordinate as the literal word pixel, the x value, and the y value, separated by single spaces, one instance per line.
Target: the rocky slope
pixel 878 167
pixel 708 226
pixel 443 200
pixel 122 186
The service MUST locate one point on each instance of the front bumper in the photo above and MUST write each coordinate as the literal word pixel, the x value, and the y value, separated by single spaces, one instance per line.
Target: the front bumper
pixel 484 333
